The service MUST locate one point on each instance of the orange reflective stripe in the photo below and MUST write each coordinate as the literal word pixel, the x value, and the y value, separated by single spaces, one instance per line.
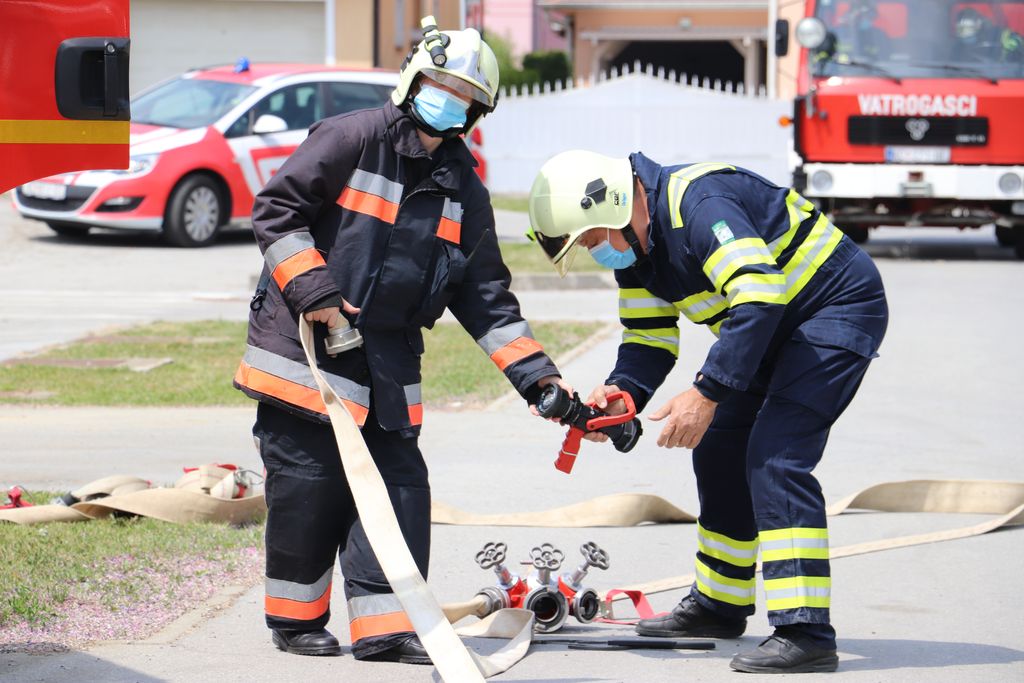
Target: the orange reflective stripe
pixel 290 392
pixel 370 204
pixel 515 350
pixel 358 412
pixel 293 609
pixel 295 265
pixel 449 230
pixel 293 393
pixel 416 414
pixel 379 625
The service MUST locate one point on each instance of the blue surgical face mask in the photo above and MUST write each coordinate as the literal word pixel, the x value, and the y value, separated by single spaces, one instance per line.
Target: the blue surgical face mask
pixel 441 110
pixel 608 256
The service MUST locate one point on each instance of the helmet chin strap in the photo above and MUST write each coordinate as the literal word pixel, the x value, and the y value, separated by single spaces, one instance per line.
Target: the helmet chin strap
pixel 634 242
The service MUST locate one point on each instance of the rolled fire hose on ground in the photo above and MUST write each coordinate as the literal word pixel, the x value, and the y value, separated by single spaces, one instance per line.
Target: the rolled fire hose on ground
pixel 1005 499
pixel 451 658
pixel 193 498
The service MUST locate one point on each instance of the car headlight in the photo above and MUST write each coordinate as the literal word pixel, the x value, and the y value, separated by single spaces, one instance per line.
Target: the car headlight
pixel 139 164
pixel 1010 183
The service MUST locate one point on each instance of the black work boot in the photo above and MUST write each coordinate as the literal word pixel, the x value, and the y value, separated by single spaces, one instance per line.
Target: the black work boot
pixel 318 642
pixel 786 654
pixel 689 620
pixel 409 651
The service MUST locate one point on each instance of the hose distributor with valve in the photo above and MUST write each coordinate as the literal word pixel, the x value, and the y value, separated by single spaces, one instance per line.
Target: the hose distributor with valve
pixel 551 598
pixel 624 430
pixel 584 603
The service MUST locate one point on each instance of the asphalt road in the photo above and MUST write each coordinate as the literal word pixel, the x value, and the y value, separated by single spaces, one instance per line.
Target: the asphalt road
pixel 942 402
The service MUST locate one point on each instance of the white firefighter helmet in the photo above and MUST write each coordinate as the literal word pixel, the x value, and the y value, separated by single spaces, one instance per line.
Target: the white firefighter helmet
pixel 574 192
pixel 460 60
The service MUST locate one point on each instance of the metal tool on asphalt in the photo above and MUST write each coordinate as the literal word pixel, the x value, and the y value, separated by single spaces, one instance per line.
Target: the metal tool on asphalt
pixel 624 430
pixel 627 644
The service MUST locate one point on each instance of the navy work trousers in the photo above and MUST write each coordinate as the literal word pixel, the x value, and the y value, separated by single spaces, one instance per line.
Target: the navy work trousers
pixel 312 518
pixel 754 465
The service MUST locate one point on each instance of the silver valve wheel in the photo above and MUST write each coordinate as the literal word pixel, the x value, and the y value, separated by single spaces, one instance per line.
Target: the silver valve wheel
pixel 546 556
pixel 492 555
pixel 594 555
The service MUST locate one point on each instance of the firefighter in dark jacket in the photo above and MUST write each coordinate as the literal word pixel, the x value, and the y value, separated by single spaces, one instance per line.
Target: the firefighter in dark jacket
pixel 379 217
pixel 799 312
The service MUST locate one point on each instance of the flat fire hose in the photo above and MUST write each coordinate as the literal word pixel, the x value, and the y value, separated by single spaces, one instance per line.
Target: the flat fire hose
pixel 1005 499
pixel 453 661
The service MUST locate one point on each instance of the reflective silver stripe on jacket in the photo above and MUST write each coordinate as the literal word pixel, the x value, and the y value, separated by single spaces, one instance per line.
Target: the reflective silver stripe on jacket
pixel 452 210
pixel 286 247
pixel 413 394
pixel 371 183
pixel 502 336
pixel 300 592
pixel 299 373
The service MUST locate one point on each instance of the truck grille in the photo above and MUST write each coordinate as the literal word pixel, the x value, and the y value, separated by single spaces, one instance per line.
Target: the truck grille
pixel 77 194
pixel 966 131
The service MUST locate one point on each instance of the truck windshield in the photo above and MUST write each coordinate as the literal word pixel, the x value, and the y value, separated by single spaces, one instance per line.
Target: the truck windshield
pixel 187 102
pixel 921 39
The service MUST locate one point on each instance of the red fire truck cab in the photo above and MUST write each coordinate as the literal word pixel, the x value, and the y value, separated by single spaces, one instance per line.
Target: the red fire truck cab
pixel 909 112
pixel 64 85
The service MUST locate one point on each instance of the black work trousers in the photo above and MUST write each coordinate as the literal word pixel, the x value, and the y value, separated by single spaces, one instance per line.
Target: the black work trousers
pixel 312 518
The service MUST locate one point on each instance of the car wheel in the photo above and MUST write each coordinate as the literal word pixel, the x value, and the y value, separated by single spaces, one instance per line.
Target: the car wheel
pixel 858 234
pixel 1005 236
pixel 194 213
pixel 68 229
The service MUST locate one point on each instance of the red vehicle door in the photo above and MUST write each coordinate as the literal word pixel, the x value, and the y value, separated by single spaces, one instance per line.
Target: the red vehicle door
pixel 63 87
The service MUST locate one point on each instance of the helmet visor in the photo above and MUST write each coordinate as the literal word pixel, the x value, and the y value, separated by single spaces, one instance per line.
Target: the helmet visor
pixel 559 250
pixel 459 85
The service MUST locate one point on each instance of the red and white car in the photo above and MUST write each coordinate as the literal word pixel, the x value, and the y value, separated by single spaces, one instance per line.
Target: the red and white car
pixel 202 146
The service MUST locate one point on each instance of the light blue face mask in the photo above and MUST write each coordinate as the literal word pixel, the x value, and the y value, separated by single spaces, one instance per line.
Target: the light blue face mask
pixel 608 256
pixel 440 110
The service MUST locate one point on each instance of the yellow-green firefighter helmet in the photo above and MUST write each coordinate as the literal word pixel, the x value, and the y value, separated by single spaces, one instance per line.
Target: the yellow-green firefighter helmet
pixel 467 65
pixel 574 192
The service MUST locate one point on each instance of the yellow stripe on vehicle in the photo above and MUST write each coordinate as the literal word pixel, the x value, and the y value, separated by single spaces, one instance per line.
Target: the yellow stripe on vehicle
pixel 63 132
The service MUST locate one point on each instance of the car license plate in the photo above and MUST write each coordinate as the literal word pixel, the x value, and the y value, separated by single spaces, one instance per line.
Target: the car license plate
pixel 917 155
pixel 52 191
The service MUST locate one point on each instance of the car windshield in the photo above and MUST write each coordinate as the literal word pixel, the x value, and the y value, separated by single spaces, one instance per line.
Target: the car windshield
pixel 921 39
pixel 188 102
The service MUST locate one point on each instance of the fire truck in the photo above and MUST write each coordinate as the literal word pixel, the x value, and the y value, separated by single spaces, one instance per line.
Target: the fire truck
pixel 909 113
pixel 63 88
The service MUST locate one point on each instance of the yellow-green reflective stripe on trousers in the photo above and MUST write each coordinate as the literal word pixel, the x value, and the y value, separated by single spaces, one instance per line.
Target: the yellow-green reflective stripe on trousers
pixel 795 543
pixel 721 547
pixel 720 587
pixel 798 591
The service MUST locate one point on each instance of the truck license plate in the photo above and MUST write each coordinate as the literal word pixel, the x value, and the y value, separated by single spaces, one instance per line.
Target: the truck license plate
pixel 916 155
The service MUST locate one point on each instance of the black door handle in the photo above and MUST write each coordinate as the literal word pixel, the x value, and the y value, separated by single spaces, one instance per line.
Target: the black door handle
pixel 91 79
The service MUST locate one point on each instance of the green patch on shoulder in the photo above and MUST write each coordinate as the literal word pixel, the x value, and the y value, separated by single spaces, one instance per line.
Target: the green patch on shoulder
pixel 723 232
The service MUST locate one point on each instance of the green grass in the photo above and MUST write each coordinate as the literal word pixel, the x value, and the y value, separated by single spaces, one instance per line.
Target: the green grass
pixel 510 202
pixel 527 257
pixel 206 354
pixel 110 561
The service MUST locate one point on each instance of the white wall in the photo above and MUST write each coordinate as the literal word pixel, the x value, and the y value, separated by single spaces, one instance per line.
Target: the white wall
pixel 170 36
pixel 668 121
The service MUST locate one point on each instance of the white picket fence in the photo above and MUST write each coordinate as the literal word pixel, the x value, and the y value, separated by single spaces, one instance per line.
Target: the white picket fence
pixel 669 117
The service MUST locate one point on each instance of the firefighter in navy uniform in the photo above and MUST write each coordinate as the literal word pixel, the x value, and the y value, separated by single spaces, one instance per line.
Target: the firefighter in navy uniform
pixel 380 217
pixel 799 312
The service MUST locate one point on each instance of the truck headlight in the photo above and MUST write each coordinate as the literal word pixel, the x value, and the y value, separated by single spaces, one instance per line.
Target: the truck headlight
pixel 1010 183
pixel 811 33
pixel 821 181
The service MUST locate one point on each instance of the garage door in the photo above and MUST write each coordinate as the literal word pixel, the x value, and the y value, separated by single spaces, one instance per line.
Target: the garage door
pixel 171 36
